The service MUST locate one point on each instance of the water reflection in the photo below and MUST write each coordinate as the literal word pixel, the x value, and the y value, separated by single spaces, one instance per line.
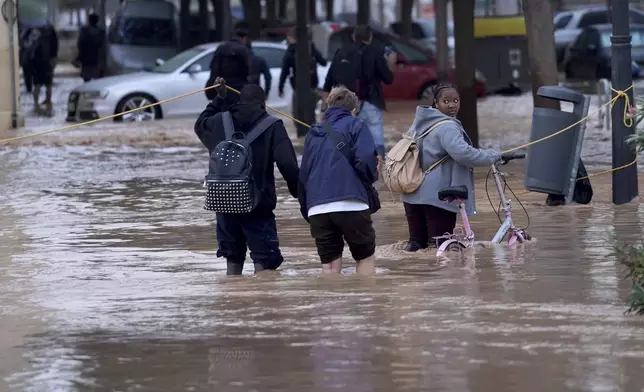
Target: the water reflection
pixel 109 281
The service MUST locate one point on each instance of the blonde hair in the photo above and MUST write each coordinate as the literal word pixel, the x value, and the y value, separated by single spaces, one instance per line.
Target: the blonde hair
pixel 342 97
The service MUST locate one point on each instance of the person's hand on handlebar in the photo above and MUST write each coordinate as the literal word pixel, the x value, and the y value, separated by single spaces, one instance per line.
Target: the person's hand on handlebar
pixel 507 157
pixel 221 89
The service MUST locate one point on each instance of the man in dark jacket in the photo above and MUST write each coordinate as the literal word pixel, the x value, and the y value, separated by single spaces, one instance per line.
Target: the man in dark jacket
pixel 259 67
pixel 332 194
pixel 91 49
pixel 288 69
pixel 41 52
pixel 257 229
pixel 377 68
pixel 232 62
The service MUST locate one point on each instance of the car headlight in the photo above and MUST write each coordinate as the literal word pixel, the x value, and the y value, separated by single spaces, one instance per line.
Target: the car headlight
pixel 94 94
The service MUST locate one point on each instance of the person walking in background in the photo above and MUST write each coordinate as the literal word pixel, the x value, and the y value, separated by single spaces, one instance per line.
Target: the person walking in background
pixel 41 52
pixel 91 49
pixel 362 67
pixel 257 229
pixel 259 67
pixel 289 71
pixel 427 216
pixel 27 73
pixel 232 62
pixel 333 192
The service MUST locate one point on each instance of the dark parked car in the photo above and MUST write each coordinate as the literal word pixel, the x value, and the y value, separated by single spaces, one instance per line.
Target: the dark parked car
pixel 589 56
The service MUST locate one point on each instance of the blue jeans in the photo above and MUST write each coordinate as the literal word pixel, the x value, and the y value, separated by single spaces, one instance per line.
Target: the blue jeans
pixel 372 116
pixel 257 230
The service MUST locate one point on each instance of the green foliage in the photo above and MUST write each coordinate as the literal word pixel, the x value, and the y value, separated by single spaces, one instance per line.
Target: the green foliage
pixel 637 139
pixel 632 257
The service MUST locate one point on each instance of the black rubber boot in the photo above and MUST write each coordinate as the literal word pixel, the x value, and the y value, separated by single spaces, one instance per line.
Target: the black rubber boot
pixel 234 268
pixel 555 200
pixel 412 247
pixel 258 267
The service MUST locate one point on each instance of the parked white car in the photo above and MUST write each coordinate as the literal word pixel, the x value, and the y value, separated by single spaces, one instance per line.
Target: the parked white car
pixel 181 74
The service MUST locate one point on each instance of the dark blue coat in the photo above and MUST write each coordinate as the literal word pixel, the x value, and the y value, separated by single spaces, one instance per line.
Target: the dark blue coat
pixel 326 175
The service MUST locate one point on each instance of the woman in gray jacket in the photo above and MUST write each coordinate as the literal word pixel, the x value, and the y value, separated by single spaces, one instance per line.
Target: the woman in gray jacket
pixel 427 216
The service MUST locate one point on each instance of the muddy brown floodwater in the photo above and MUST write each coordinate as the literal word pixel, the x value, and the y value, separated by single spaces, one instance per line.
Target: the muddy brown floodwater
pixel 109 282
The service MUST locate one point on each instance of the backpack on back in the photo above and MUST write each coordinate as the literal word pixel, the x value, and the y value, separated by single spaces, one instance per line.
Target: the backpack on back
pixel 348 70
pixel 403 172
pixel 230 185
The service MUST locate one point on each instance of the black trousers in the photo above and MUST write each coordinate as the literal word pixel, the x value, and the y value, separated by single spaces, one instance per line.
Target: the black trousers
pixel 256 230
pixel 426 222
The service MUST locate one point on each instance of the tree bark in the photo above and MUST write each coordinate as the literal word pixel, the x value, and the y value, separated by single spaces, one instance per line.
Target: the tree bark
pixel 222 19
pixel 253 16
pixel 184 16
pixel 204 19
pixel 329 9
pixel 442 47
pixel 364 12
pixel 464 56
pixel 406 8
pixel 271 11
pixel 541 49
pixel 281 12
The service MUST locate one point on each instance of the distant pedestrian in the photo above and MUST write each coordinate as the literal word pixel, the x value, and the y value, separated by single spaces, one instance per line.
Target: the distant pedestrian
pixel 427 216
pixel 259 67
pixel 289 70
pixel 41 52
pixel 256 229
pixel 232 62
pixel 91 49
pixel 339 167
pixel 362 68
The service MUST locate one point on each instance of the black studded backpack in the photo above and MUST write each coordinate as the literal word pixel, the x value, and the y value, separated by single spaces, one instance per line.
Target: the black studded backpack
pixel 230 187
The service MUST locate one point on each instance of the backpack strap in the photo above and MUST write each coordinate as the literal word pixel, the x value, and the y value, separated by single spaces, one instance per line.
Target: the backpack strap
pixel 431 129
pixel 258 129
pixel 229 128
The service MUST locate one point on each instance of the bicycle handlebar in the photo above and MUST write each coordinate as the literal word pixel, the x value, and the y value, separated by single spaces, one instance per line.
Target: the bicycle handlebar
pixel 511 156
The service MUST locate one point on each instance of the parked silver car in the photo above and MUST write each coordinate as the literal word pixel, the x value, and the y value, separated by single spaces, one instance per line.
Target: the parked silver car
pixel 183 73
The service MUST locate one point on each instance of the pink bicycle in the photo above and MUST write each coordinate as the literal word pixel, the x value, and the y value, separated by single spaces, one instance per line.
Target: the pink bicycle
pixel 464 238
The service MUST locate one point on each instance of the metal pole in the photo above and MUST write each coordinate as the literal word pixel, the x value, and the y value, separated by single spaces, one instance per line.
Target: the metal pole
pixel 442 48
pixel 304 110
pixel 11 20
pixel 624 180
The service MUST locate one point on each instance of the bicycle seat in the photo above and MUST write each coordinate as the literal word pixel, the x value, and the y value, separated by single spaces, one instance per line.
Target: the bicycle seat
pixel 453 192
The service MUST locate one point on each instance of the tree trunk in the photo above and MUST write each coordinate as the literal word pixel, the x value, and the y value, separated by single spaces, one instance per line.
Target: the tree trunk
pixel 329 9
pixel 406 7
pixel 222 19
pixel 541 48
pixel 271 11
pixel 442 47
pixel 282 9
pixel 364 12
pixel 184 15
pixel 253 16
pixel 204 21
pixel 464 56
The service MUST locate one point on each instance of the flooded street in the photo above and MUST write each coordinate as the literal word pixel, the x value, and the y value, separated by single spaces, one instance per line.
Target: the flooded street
pixel 109 282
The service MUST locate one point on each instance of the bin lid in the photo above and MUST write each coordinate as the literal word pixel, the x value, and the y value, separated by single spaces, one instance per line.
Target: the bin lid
pixel 560 93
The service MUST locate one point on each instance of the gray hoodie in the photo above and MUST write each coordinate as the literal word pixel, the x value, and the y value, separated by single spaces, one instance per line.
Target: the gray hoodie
pixel 446 139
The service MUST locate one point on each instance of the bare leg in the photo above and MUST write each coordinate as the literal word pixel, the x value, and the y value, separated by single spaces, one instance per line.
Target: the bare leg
pixel 36 95
pixel 333 267
pixel 366 266
pixel 48 91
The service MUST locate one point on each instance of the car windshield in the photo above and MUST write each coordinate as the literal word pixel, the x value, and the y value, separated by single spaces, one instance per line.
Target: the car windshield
pixel 637 38
pixel 172 64
pixel 143 32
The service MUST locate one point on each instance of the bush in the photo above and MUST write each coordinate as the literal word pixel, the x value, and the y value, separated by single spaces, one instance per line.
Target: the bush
pixel 632 257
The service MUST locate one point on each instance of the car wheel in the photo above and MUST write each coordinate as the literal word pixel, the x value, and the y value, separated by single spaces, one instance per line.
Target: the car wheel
pixel 135 101
pixel 426 93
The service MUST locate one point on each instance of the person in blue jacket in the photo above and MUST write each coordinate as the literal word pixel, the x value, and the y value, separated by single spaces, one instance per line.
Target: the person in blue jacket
pixel 331 190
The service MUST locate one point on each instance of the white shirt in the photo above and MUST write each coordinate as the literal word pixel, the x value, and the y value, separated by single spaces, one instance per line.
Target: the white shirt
pixel 338 206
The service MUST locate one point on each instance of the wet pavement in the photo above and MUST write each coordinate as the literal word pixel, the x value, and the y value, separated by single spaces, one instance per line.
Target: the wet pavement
pixel 109 282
